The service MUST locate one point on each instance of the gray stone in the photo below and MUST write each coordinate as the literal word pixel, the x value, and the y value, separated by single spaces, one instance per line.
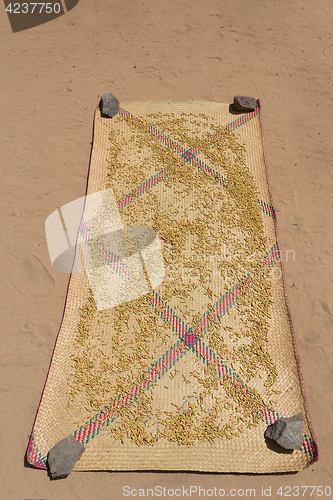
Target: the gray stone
pixel 63 456
pixel 244 103
pixel 109 105
pixel 287 432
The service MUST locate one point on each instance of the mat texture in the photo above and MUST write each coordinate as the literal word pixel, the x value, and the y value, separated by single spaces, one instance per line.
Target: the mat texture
pixel 187 374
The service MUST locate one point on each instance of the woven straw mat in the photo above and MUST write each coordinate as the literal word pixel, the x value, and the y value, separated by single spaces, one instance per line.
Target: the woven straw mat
pixel 187 375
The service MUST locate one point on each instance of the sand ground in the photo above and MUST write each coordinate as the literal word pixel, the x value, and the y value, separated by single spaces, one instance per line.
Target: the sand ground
pixel 51 79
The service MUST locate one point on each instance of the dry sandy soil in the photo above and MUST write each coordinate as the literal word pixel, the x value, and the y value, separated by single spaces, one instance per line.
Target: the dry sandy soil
pixel 51 79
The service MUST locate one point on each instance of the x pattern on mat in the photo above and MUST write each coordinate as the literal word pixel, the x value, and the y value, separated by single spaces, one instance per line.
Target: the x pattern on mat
pixel 188 341
pixel 188 156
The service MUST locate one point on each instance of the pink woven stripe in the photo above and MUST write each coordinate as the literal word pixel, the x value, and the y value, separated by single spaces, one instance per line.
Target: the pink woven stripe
pixel 140 190
pixel 33 456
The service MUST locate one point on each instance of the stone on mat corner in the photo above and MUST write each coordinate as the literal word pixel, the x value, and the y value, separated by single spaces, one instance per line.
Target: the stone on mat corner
pixel 287 432
pixel 244 103
pixel 63 456
pixel 109 105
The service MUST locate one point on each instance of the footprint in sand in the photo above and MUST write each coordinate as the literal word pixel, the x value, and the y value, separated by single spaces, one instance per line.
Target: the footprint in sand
pixel 311 337
pixel 31 276
pixel 326 309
